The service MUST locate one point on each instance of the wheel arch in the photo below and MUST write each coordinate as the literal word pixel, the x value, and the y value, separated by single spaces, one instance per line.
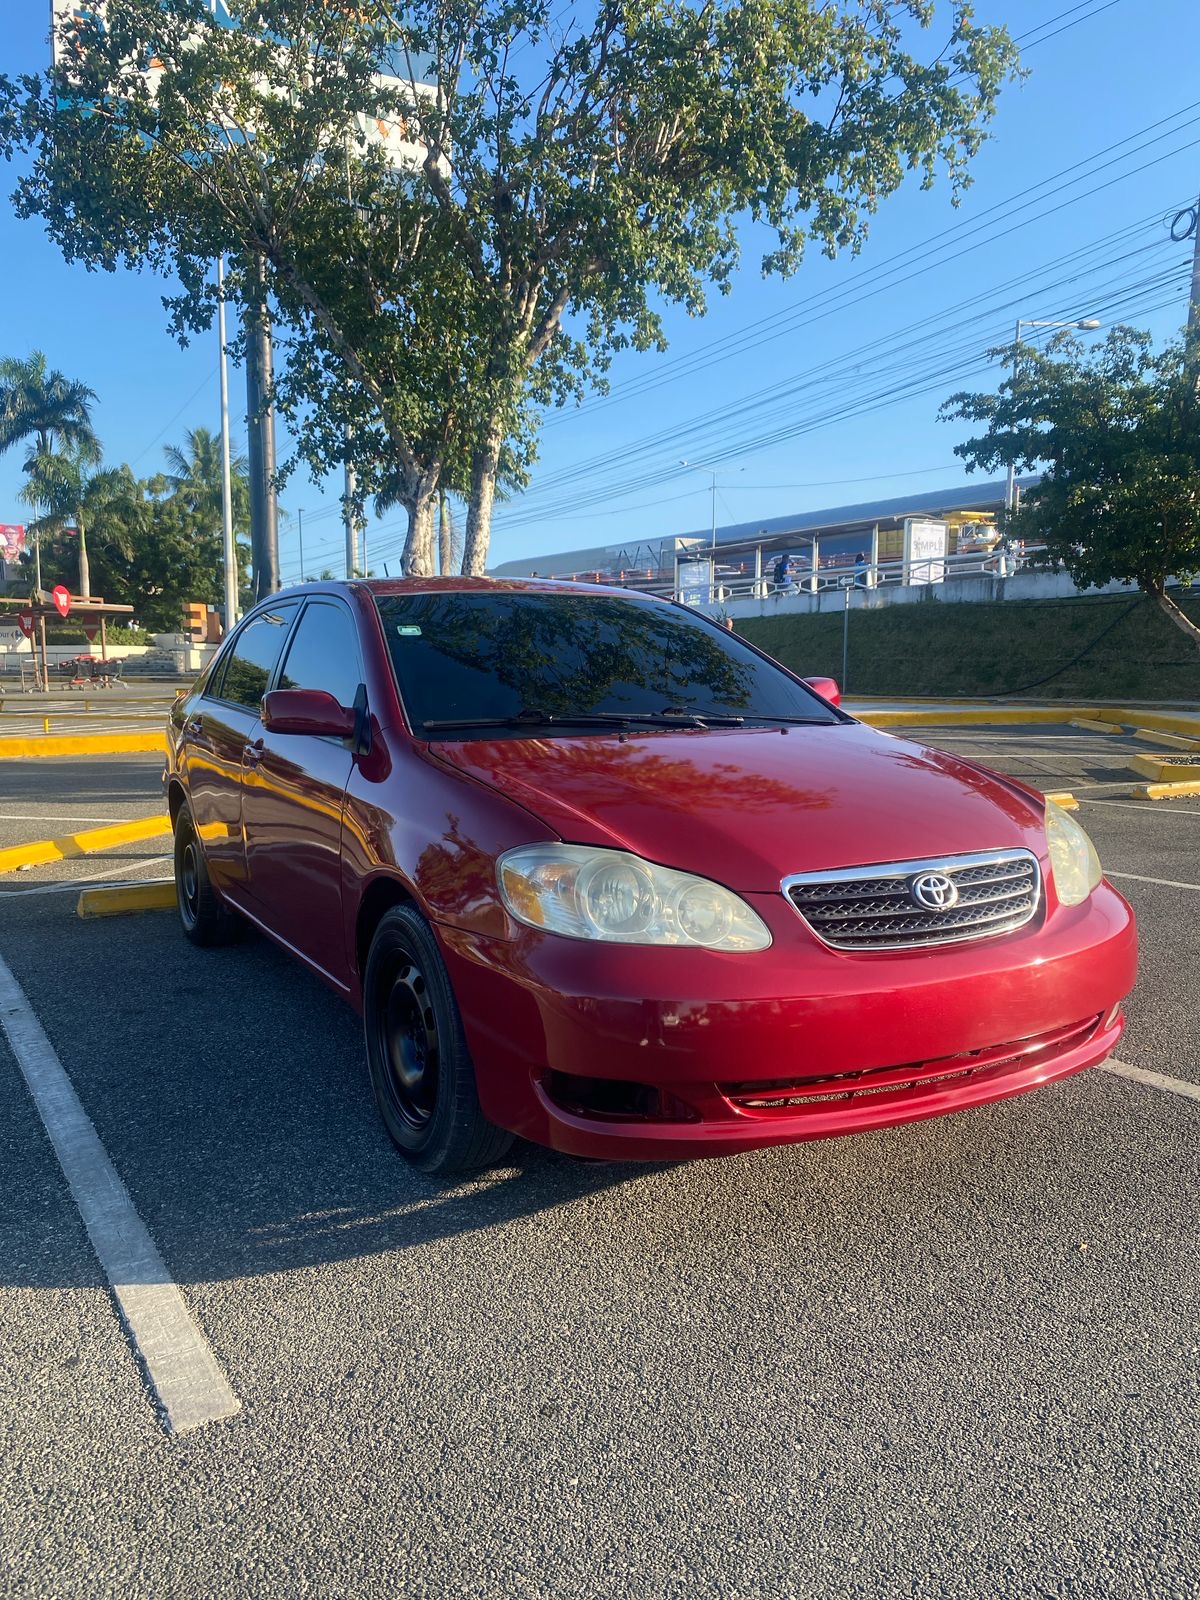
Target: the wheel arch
pixel 176 799
pixel 381 895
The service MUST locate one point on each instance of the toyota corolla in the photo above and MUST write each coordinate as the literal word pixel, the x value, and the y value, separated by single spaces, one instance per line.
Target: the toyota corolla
pixel 600 874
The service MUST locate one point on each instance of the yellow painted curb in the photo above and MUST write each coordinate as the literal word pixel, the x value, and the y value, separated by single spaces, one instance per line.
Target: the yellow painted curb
pixel 1165 771
pixel 1094 725
pixel 115 901
pixel 1161 721
pixel 82 744
pixel 1064 799
pixel 1174 740
pixel 87 843
pixel 1001 716
pixel 1168 791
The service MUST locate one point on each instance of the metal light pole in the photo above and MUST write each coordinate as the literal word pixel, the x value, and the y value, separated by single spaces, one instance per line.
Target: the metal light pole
pixel 1089 323
pixel 231 575
pixel 847 586
pixel 300 519
pixel 704 466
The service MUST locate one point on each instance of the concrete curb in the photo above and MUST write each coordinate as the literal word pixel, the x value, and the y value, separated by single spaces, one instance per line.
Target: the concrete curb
pixel 90 842
pixel 1001 716
pixel 82 744
pixel 158 895
pixel 1064 798
pixel 1167 770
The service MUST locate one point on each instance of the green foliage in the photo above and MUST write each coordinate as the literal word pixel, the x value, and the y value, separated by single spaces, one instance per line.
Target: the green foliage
pixel 1106 647
pixel 568 173
pixel 1117 433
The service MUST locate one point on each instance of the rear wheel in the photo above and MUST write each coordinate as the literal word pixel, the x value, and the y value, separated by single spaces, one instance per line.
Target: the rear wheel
pixel 421 1072
pixel 206 920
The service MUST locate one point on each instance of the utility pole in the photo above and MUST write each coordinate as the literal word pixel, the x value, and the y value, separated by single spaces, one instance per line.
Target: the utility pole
pixel 231 573
pixel 264 510
pixel 300 518
pixel 1194 301
pixel 350 519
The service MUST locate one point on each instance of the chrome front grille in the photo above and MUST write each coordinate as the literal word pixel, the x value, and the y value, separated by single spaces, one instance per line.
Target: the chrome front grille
pixel 888 907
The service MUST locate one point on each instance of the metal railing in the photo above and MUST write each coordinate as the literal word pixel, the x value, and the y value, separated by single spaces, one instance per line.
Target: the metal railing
pixel 727 585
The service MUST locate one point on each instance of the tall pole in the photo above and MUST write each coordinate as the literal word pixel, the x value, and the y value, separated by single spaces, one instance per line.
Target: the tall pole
pixel 1010 481
pixel 845 636
pixel 351 523
pixel 1194 301
pixel 231 574
pixel 714 514
pixel 300 516
pixel 264 510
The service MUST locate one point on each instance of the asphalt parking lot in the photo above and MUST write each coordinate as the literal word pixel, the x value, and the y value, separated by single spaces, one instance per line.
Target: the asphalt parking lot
pixel 957 1359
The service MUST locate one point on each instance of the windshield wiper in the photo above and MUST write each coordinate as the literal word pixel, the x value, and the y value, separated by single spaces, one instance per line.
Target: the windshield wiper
pixel 590 719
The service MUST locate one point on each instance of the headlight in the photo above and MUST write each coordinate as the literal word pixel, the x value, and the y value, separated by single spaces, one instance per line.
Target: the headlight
pixel 610 895
pixel 1073 858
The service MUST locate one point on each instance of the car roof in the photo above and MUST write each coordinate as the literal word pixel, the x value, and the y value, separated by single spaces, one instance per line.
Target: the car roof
pixel 381 587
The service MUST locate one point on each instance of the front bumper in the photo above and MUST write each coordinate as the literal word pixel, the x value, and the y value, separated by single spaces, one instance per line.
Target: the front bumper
pixel 798 1042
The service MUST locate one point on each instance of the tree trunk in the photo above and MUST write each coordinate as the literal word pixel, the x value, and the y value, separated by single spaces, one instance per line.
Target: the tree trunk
pixel 445 537
pixel 418 558
pixel 1173 613
pixel 85 576
pixel 484 467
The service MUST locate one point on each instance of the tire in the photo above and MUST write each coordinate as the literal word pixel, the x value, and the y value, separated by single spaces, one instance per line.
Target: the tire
pixel 421 1072
pixel 206 920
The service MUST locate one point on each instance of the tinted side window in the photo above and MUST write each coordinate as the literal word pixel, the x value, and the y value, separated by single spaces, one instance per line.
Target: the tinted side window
pixel 324 654
pixel 254 656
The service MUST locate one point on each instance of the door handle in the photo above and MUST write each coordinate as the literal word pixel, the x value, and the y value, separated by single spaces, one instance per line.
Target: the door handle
pixel 253 753
pixel 194 727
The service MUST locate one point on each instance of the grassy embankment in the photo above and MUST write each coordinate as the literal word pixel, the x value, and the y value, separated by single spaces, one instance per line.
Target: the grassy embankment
pixel 1101 647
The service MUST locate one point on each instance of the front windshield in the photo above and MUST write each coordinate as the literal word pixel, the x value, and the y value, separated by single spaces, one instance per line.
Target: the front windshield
pixel 521 656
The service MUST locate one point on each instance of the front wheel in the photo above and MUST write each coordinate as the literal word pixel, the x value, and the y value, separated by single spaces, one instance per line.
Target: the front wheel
pixel 421 1072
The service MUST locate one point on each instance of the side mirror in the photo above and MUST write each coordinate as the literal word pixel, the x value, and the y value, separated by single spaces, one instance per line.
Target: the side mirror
pixel 310 711
pixel 826 687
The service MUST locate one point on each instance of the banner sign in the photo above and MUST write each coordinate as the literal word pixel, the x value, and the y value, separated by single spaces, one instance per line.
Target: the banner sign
pixel 12 540
pixel 926 543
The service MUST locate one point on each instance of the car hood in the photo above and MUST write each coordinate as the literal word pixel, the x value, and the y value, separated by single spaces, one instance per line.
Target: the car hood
pixel 749 806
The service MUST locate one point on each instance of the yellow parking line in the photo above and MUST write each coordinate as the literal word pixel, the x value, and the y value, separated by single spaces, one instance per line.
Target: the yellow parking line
pixel 81 744
pixel 87 843
pixel 122 897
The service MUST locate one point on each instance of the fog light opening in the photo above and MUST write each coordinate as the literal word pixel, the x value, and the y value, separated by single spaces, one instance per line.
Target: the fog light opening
pixel 616 1099
pixel 1112 1016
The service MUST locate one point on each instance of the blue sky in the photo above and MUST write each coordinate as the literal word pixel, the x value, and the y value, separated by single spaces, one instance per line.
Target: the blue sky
pixel 815 392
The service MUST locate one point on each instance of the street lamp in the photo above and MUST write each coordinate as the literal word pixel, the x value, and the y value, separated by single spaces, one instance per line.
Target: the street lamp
pixel 1088 323
pixel 703 466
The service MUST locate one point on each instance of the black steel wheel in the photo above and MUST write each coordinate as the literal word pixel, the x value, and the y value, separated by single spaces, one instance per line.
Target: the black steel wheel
pixel 206 919
pixel 421 1072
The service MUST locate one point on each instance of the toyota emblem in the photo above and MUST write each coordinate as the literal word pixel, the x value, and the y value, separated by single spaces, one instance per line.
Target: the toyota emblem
pixel 933 891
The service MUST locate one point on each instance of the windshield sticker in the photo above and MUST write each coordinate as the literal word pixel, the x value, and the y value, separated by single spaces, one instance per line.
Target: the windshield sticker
pixel 407 630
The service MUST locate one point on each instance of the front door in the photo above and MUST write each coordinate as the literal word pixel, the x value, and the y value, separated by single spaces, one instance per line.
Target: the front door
pixel 293 794
pixel 214 740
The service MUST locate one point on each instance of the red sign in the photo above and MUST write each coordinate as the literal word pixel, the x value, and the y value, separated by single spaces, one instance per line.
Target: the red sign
pixel 61 598
pixel 25 623
pixel 91 633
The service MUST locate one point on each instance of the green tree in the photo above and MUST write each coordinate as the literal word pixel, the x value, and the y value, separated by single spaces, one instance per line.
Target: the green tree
pixel 98 505
pixel 52 415
pixel 194 474
pixel 586 165
pixel 1116 432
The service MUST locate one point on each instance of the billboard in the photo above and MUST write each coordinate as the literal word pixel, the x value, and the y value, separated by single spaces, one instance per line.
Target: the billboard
pixel 12 540
pixel 926 542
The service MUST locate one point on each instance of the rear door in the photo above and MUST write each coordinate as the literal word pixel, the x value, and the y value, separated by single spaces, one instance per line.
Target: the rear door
pixel 293 797
pixel 215 735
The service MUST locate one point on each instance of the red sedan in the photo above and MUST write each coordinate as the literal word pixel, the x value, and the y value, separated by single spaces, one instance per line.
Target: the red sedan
pixel 599 873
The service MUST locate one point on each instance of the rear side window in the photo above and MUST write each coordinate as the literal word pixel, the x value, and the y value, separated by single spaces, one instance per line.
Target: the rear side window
pixel 324 653
pixel 254 656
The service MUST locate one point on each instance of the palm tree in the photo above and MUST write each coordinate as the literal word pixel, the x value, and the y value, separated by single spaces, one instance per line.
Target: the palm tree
pixel 52 412
pixel 102 504
pixel 194 474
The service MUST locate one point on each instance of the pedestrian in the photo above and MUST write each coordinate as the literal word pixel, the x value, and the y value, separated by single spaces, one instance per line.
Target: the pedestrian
pixel 860 570
pixel 781 574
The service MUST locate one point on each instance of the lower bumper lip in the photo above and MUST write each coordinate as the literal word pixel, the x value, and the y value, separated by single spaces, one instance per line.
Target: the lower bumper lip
pixel 741 1131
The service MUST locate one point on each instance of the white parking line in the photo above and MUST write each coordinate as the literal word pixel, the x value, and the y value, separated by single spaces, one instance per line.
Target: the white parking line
pixel 1155 806
pixel 1165 883
pixel 183 1372
pixel 73 885
pixel 62 816
pixel 1154 1080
